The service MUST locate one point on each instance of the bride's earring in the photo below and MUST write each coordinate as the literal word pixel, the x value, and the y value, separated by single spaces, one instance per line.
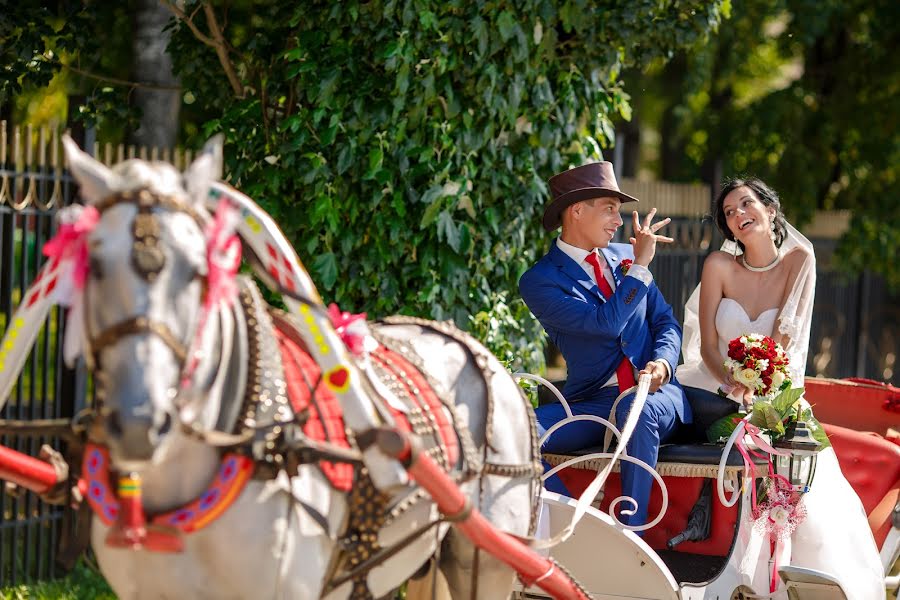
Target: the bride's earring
pixel 772 233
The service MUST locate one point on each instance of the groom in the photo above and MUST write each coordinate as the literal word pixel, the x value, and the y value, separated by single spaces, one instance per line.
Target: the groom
pixel 598 304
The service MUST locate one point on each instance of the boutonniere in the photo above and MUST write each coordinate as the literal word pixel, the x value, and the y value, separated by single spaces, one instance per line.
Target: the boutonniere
pixel 625 265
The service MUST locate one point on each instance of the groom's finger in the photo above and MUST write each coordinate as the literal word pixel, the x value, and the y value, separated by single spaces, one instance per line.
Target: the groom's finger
pixel 649 218
pixel 657 226
pixel 662 238
pixel 637 221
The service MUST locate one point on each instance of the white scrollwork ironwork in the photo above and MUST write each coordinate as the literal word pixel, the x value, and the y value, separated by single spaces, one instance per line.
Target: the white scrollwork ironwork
pixel 620 453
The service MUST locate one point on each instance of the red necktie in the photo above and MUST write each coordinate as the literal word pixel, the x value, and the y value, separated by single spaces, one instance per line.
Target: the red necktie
pixel 625 372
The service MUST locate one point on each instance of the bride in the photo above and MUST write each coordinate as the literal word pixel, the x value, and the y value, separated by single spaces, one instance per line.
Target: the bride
pixel 763 282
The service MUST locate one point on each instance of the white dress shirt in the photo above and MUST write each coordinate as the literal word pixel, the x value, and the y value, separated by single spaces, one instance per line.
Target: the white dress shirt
pixel 639 272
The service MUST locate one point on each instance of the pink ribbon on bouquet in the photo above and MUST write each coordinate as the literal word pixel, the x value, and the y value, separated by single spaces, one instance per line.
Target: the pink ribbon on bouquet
pixel 754 433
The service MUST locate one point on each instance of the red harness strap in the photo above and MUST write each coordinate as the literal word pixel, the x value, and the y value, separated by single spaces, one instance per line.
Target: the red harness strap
pixel 326 421
pixel 416 388
pixel 325 418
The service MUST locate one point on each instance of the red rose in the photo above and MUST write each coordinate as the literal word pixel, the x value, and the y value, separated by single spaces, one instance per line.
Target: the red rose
pixel 625 265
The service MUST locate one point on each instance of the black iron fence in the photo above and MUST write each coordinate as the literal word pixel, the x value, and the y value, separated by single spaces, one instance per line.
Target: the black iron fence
pixel 32 188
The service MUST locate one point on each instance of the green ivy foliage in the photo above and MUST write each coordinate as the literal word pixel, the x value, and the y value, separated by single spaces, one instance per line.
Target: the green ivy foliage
pixel 403 145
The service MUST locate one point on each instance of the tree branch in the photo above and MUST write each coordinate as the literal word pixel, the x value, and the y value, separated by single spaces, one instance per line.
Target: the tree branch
pixel 189 21
pixel 131 84
pixel 222 50
pixel 217 41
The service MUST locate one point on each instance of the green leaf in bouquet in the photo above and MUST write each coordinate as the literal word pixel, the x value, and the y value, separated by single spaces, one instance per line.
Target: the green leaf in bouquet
pixel 765 416
pixel 723 428
pixel 816 429
pixel 786 399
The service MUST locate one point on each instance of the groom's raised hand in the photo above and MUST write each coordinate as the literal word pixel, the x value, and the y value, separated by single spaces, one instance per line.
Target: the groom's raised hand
pixel 645 238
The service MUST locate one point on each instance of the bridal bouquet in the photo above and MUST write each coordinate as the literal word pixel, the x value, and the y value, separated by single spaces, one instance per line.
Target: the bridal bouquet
pixel 759 363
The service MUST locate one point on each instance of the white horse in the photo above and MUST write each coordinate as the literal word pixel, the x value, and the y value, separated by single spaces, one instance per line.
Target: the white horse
pixel 285 533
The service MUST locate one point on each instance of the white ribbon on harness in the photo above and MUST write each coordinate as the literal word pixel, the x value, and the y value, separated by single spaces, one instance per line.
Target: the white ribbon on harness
pixel 640 398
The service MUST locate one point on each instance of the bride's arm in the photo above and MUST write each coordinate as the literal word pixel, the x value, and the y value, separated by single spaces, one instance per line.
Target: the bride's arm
pixel 711 293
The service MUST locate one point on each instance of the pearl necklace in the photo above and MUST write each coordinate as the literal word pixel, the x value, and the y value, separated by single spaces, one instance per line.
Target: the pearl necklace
pixel 768 267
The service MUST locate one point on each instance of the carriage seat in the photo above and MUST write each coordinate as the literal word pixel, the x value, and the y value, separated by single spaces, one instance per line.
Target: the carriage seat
pixel 871 465
pixel 690 455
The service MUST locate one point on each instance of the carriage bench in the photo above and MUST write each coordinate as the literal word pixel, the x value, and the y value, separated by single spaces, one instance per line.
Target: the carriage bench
pixel 685 465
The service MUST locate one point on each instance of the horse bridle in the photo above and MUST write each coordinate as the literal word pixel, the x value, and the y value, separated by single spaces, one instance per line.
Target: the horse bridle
pixel 148 260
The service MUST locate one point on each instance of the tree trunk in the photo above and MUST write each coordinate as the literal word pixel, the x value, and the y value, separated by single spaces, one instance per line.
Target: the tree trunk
pixel 153 65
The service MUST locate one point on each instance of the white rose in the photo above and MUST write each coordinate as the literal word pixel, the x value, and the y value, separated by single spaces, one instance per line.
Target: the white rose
pixel 779 515
pixel 747 377
pixel 777 379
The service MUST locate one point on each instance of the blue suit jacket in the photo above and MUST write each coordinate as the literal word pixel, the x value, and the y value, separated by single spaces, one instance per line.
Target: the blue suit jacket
pixel 592 333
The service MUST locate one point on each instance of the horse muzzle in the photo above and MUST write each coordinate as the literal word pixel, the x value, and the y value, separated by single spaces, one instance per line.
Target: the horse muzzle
pixel 135 438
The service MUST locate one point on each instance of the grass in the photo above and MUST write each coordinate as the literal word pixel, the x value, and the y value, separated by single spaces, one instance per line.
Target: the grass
pixel 83 583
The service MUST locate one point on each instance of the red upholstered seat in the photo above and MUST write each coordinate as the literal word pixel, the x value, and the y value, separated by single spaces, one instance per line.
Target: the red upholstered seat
pixel 872 466
pixel 858 404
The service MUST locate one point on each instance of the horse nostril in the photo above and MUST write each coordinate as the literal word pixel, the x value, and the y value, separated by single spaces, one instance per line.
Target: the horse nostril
pixel 114 423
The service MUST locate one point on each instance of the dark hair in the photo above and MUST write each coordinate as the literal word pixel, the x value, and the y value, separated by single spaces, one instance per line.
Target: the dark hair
pixel 764 194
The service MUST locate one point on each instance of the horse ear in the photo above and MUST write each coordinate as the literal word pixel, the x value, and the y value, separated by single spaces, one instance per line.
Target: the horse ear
pixel 94 177
pixel 205 169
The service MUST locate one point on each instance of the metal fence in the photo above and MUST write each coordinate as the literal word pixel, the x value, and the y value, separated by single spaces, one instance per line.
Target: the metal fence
pixel 32 187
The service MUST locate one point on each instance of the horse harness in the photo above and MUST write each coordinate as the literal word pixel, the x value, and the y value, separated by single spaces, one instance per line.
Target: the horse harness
pixel 147 260
pixel 278 432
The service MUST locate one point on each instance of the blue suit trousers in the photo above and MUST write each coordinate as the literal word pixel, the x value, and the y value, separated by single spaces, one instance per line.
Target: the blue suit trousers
pixel 657 423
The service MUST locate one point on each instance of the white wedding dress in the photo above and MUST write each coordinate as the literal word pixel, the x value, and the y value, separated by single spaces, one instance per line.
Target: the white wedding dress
pixel 835 536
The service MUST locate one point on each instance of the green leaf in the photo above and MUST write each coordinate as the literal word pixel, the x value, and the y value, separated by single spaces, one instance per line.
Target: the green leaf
pixel 391 49
pixel 447 230
pixel 723 428
pixel 506 24
pixel 345 158
pixel 376 157
pixel 480 31
pixel 765 416
pixel 325 265
pixel 786 399
pixel 431 213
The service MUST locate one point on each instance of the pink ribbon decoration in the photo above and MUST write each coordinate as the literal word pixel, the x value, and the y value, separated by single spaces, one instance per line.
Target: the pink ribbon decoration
pixel 70 243
pixel 223 256
pixel 352 328
pixel 223 259
pixel 779 496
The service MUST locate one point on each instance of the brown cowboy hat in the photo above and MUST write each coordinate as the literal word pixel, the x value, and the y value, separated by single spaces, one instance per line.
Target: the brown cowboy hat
pixel 593 180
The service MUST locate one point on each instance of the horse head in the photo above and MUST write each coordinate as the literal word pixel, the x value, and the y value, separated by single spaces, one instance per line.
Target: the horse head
pixel 143 298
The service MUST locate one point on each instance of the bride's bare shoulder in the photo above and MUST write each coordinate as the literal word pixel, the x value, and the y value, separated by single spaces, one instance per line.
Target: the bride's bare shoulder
pixel 720 259
pixel 796 256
